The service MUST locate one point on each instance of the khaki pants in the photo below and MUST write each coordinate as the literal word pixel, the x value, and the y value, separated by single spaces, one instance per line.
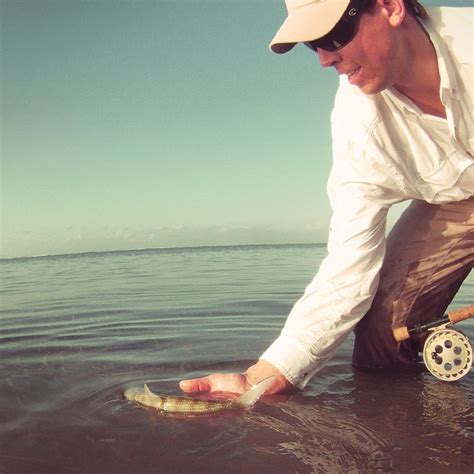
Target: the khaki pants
pixel 430 251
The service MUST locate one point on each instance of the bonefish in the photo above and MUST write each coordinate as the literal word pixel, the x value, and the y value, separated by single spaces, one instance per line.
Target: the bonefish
pixel 194 406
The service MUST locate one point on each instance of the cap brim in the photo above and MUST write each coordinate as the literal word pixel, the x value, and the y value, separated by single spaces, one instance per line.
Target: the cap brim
pixel 308 23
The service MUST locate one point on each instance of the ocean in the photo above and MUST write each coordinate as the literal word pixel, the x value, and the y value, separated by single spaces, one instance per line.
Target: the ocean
pixel 77 330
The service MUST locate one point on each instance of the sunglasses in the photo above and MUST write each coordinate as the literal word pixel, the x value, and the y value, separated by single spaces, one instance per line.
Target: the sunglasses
pixel 345 29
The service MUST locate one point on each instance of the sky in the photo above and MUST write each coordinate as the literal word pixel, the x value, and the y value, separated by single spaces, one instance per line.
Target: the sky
pixel 148 123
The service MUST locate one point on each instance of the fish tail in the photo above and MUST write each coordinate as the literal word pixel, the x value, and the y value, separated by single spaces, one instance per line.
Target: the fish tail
pixel 132 393
pixel 249 398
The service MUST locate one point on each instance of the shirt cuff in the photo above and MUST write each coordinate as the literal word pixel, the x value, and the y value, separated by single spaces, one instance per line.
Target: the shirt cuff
pixel 295 363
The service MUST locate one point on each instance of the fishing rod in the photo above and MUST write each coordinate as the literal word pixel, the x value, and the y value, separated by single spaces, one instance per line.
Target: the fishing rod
pixel 447 352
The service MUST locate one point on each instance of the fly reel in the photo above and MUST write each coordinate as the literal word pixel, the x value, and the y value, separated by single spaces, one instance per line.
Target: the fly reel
pixel 447 354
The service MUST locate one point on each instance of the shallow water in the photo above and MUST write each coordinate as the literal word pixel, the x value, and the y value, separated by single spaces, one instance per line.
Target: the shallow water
pixel 77 330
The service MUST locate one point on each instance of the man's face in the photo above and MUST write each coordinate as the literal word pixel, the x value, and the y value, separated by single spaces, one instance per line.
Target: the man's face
pixel 372 59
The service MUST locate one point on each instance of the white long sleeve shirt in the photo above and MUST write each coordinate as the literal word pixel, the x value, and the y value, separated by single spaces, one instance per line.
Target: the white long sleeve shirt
pixel 385 150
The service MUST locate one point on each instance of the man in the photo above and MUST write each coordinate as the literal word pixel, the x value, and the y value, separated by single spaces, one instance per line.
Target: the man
pixel 402 129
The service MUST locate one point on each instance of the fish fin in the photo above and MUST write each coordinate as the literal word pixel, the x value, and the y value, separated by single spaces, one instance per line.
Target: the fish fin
pixel 147 391
pixel 249 398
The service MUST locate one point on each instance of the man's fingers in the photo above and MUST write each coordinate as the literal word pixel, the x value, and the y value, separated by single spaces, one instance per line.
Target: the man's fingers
pixel 201 384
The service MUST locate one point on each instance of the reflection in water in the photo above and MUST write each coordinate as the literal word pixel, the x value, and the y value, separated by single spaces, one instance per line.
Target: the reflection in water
pixel 395 422
pixel 328 439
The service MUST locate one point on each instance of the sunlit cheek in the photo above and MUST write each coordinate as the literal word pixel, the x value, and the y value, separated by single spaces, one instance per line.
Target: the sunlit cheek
pixel 380 69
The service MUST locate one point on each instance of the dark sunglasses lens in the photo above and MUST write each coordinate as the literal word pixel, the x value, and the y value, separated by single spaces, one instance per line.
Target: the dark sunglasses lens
pixel 330 44
pixel 326 44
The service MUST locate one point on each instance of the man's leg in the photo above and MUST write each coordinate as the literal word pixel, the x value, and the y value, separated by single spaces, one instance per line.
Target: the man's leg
pixel 430 251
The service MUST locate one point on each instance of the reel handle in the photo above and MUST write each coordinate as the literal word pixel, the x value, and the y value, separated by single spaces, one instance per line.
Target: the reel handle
pixel 453 317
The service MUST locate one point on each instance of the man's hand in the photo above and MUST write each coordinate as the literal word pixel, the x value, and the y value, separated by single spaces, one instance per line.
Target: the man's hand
pixel 239 383
pixel 235 383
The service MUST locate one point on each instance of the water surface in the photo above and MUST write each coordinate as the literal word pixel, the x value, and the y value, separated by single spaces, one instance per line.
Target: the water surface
pixel 77 330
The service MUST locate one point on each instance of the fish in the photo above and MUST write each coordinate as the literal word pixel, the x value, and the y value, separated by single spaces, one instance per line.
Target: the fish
pixel 195 406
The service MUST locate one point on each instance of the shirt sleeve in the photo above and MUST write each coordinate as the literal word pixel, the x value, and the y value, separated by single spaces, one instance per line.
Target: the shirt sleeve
pixel 339 295
pixel 360 193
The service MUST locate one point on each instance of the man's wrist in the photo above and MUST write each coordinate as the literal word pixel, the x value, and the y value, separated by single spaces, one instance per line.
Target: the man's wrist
pixel 262 370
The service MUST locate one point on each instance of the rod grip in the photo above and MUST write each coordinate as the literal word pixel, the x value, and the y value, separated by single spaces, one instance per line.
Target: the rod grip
pixel 461 314
pixel 453 317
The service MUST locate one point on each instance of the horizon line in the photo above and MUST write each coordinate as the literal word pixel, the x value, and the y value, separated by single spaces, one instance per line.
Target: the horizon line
pixel 151 249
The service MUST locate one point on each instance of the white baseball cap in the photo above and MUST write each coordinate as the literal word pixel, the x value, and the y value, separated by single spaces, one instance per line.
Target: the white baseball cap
pixel 307 20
